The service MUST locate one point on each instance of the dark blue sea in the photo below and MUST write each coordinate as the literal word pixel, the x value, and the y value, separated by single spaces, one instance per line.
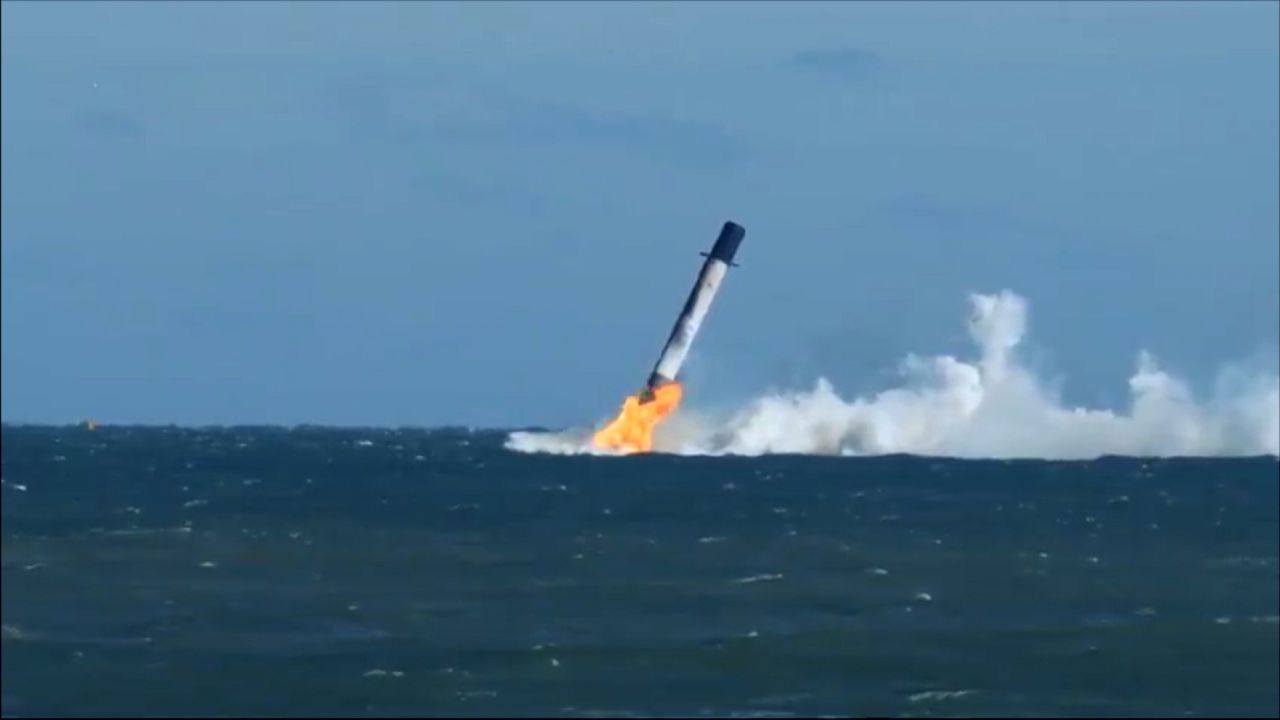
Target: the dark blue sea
pixel 380 572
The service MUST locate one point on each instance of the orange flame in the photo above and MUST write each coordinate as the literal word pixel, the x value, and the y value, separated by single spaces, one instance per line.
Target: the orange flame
pixel 632 430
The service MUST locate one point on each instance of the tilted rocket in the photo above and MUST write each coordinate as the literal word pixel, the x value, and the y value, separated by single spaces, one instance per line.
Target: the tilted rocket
pixel 695 308
pixel 632 429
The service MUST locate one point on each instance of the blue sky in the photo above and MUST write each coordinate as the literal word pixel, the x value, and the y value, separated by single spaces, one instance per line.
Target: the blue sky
pixel 489 213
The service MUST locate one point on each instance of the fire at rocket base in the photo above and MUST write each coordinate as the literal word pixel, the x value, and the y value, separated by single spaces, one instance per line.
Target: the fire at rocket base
pixel 632 430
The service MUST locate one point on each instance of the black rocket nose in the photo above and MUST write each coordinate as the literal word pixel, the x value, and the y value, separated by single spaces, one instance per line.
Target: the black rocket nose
pixel 727 244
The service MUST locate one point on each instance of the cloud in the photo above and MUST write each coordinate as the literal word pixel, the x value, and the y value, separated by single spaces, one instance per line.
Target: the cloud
pixel 672 139
pixel 106 123
pixel 371 107
pixel 374 106
pixel 851 63
pixel 363 105
pixel 487 194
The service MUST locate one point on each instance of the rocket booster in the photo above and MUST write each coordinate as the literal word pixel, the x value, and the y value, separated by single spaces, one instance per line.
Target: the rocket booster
pixel 695 308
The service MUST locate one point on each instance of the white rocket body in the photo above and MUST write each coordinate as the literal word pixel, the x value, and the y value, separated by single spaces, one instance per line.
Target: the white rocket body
pixel 695 308
pixel 677 348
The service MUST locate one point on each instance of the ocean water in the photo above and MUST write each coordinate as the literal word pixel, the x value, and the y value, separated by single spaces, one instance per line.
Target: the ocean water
pixel 377 572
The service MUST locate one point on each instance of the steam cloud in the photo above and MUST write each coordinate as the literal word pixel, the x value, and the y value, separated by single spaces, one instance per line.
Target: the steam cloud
pixel 989 408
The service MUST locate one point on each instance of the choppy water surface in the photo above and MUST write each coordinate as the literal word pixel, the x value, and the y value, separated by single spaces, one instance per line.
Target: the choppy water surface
pixel 379 572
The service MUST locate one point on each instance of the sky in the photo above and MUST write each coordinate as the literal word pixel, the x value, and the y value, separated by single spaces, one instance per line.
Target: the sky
pixel 488 214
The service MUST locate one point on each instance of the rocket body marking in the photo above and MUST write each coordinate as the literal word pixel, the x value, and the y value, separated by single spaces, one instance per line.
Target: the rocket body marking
pixel 677 348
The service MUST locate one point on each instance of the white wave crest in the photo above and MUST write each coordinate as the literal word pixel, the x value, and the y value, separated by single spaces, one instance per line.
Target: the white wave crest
pixel 991 407
pixel 573 442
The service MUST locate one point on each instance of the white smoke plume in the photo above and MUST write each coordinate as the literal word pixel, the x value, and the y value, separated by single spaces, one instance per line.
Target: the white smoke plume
pixel 991 407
